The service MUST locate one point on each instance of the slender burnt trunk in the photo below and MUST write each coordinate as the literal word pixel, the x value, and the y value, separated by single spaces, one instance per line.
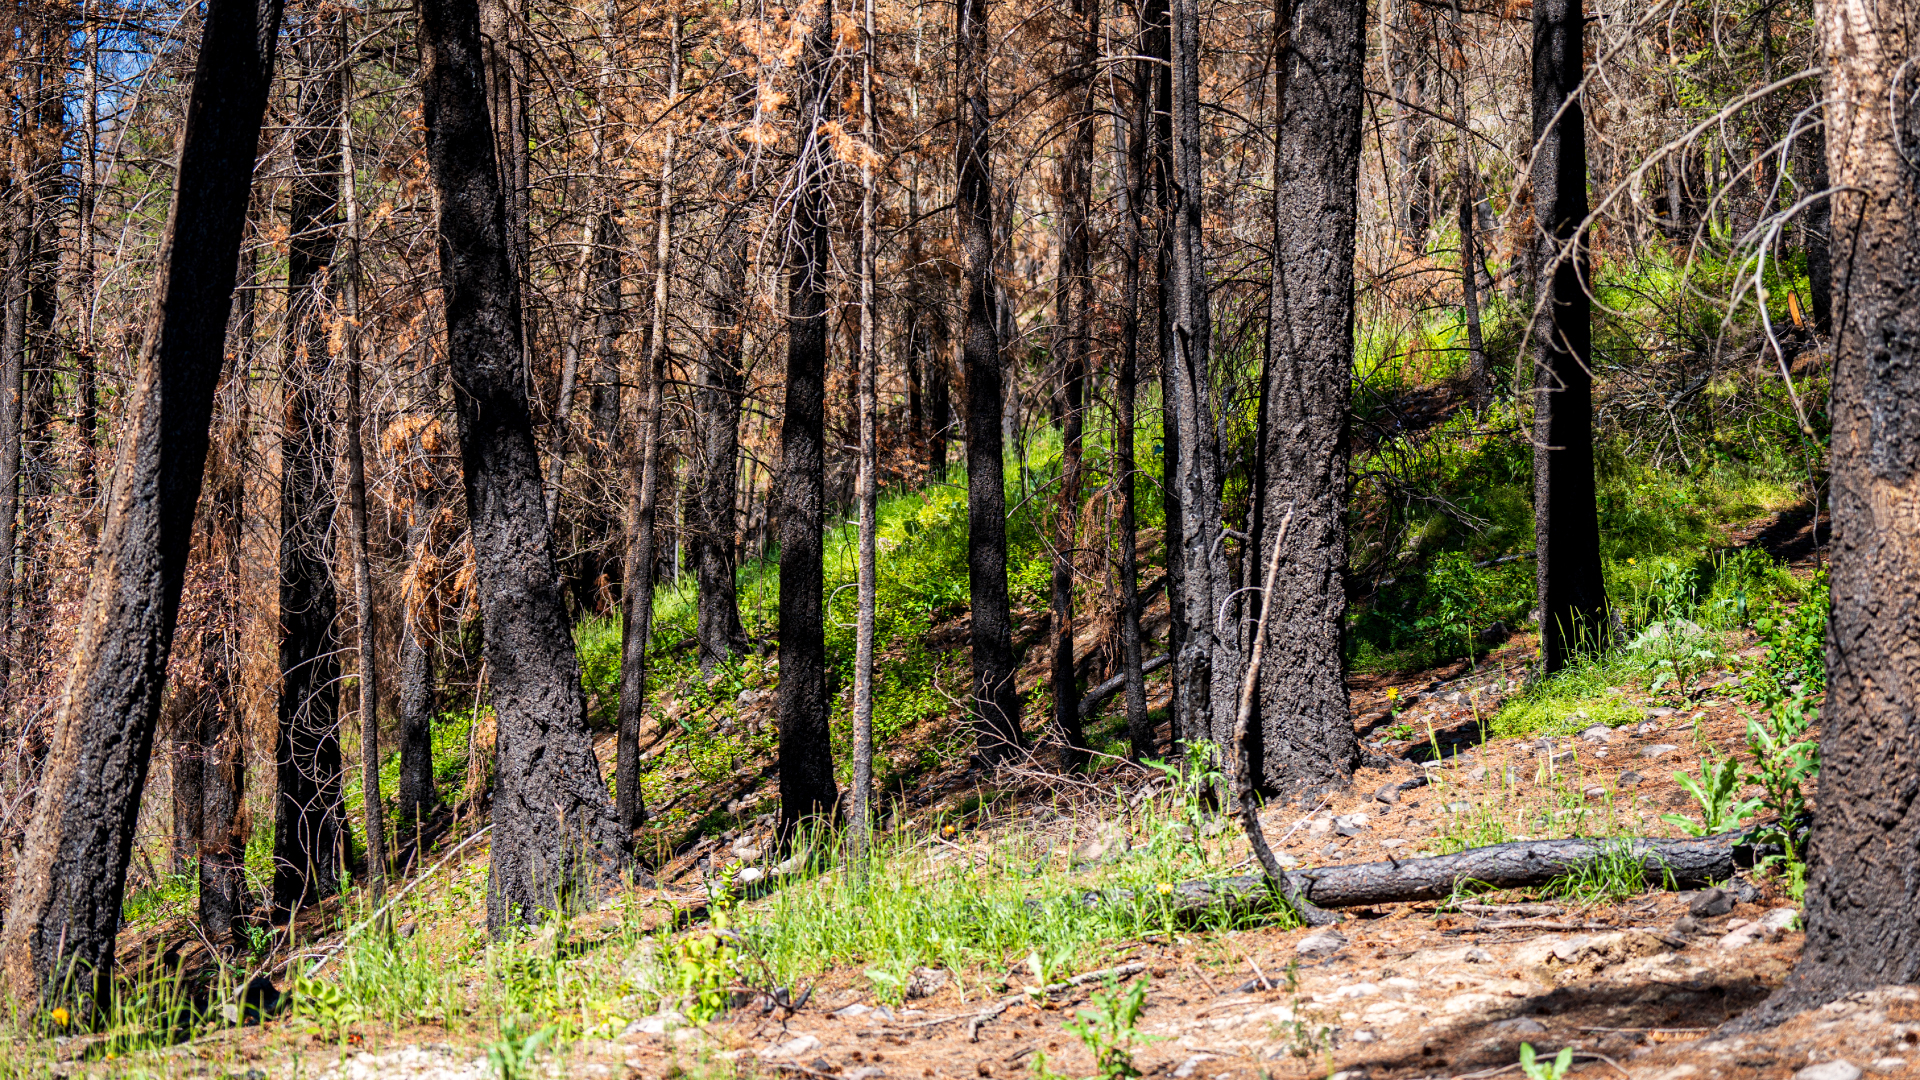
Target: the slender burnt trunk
pixel 504 63
pixel 807 788
pixel 717 408
pixel 556 839
pixel 1140 734
pixel 1862 913
pixel 182 716
pixel 1479 379
pixel 1304 735
pixel 65 908
pixel 13 366
pixel 308 813
pixel 1075 297
pixel 86 411
pixel 996 706
pixel 1208 663
pixel 223 778
pixel 1572 596
pixel 373 817
pixel 643 472
pixel 867 487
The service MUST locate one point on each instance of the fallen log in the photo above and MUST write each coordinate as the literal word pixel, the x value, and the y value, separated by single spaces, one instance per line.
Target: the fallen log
pixel 1098 696
pixel 1675 864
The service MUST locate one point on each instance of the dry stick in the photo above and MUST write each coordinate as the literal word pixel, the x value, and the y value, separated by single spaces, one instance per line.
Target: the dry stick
pixel 979 1019
pixel 1243 768
pixel 388 906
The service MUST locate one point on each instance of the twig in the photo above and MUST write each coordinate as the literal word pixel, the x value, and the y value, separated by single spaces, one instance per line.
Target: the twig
pixel 985 1015
pixel 388 906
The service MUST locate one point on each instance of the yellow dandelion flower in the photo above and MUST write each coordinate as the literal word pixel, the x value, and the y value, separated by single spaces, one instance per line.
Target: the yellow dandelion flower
pixel 1165 889
pixel 1393 693
pixel 61 1017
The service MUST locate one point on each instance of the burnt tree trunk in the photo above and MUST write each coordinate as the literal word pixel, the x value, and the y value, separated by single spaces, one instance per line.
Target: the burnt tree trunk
pixel 1304 736
pixel 556 839
pixel 1862 912
pixel 1071 346
pixel 643 476
pixel 68 886
pixel 723 386
pixel 13 368
pixel 807 788
pixel 1207 665
pixel 996 706
pixel 1141 743
pixel 223 778
pixel 308 813
pixel 1572 596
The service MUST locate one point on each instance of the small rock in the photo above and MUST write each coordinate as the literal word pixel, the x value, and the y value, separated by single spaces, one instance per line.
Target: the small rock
pixel 1321 943
pixel 1597 733
pixel 1657 750
pixel 1629 779
pixel 1286 861
pixel 747 875
pixel 1520 1025
pixel 1459 807
pixel 1392 845
pixel 1214 828
pixel 865 1072
pixel 1350 824
pixel 657 1024
pixel 1837 1069
pixel 1331 851
pixel 1595 792
pixel 1479 773
pixel 925 982
pixel 1349 1074
pixel 1187 1067
pixel 1388 793
pixel 1109 841
pixel 1364 1036
pixel 794 1047
pixel 1781 919
pixel 1477 956
pixel 1688 925
pixel 1710 903
pixel 852 1011
pixel 1319 825
pixel 1889 1064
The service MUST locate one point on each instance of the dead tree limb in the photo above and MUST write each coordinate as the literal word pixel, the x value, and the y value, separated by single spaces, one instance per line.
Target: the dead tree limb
pixel 1671 864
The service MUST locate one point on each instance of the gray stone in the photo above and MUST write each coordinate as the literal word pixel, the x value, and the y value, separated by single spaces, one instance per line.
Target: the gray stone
pixel 1597 733
pixel 1657 750
pixel 1837 1069
pixel 1710 903
pixel 925 981
pixel 1388 793
pixel 1520 1025
pixel 1629 779
pixel 1350 824
pixel 1321 943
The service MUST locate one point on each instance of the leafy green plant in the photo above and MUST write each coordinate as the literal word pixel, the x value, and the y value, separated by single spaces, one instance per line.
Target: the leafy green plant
pixel 1795 662
pixel 704 966
pixel 1785 760
pixel 1716 791
pixel 1538 1068
pixel 1110 1030
pixel 511 1056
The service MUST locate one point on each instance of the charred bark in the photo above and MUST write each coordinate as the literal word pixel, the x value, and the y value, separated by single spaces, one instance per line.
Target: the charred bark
pixel 556 841
pixel 807 787
pixel 65 908
pixel 308 837
pixel 1304 735
pixel 1071 347
pixel 1862 913
pixel 1572 595
pixel 996 706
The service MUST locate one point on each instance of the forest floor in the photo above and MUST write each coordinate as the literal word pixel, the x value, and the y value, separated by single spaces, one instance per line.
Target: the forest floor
pixel 1635 982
